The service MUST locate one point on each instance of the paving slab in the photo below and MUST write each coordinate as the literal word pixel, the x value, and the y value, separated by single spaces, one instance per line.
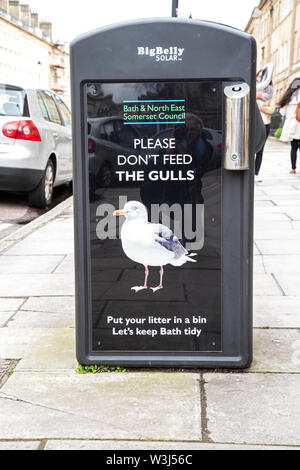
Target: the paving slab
pixel 41 320
pixel 275 189
pixel 62 226
pixel 276 312
pixel 291 211
pixel 274 225
pixel 282 263
pixel 264 284
pixel 296 225
pixel 290 283
pixel 135 445
pixel 54 351
pixel 275 247
pixel 4 317
pixel 276 351
pixel 267 209
pixel 42 247
pixel 63 304
pixel 6 367
pixel 258 266
pixel 270 216
pixel 264 203
pixel 290 234
pixel 52 231
pixel 21 420
pixel 10 305
pixel 67 266
pixel 253 408
pixel 259 192
pixel 256 251
pixel 276 304
pixel 286 201
pixel 35 285
pixel 29 264
pixel 19 445
pixel 161 406
pixel 14 342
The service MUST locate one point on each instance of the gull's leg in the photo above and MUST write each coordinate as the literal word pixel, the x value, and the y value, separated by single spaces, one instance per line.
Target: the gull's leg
pixel 155 289
pixel 139 288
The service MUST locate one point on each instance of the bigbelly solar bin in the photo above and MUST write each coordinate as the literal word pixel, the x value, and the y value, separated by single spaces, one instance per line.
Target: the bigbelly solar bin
pixel 165 130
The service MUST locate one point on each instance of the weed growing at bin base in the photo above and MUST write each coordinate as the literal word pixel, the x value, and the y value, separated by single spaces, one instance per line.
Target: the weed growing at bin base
pixel 98 369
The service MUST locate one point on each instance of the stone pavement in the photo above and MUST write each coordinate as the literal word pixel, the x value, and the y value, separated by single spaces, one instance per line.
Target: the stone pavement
pixel 45 404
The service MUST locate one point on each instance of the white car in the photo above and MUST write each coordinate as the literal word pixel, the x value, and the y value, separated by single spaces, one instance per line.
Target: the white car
pixel 35 143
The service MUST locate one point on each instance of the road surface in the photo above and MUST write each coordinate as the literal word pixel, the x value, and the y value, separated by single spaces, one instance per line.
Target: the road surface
pixel 14 210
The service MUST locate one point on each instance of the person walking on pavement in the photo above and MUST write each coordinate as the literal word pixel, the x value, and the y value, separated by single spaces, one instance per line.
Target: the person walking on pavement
pixel 289 103
pixel 263 99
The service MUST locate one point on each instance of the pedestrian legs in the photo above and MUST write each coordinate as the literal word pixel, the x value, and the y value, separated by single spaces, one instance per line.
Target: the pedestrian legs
pixel 295 146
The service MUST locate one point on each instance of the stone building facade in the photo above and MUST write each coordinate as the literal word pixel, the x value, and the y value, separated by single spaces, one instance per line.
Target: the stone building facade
pixel 28 55
pixel 275 24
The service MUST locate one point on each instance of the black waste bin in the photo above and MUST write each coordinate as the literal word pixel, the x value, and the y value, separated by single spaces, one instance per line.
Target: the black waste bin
pixel 165 130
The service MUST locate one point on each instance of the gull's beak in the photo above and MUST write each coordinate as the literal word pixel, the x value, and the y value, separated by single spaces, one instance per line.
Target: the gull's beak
pixel 120 212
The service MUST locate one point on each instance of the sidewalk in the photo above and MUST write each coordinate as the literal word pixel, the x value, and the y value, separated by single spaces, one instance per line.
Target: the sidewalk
pixel 45 404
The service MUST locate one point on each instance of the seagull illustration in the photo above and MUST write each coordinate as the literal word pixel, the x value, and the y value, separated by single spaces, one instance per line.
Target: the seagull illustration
pixel 150 244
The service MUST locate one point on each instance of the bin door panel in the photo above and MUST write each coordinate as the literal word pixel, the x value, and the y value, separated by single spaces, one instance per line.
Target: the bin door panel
pixel 158 144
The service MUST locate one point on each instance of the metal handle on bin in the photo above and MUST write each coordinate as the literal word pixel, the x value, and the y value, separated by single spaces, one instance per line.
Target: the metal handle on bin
pixel 237 126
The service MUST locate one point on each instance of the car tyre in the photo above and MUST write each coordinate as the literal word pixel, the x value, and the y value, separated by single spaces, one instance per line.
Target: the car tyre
pixel 41 197
pixel 105 176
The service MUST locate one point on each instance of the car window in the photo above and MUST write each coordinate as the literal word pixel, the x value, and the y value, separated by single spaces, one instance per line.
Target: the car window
pixel 43 107
pixel 64 111
pixel 13 101
pixel 107 132
pixel 51 108
pixel 207 135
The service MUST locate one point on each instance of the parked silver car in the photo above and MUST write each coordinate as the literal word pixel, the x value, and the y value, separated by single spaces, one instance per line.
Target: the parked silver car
pixel 35 143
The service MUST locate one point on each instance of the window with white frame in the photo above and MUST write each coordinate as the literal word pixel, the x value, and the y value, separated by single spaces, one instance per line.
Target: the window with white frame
pixel 284 56
pixel 297 47
pixel 280 68
pixel 286 7
pixel 276 15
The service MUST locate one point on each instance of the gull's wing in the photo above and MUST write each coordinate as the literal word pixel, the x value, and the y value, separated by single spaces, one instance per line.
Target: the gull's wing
pixel 166 238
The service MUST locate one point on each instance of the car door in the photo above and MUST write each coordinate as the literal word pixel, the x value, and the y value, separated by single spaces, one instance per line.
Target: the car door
pixel 67 133
pixel 59 134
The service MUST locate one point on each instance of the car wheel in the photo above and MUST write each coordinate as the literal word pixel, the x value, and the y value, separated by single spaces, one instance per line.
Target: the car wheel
pixel 105 177
pixel 41 197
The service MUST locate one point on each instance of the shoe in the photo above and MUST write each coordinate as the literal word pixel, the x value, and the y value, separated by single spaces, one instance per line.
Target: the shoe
pixel 293 172
pixel 257 180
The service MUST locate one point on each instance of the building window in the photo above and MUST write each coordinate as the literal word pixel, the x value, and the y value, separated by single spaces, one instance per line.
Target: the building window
pixel 275 16
pixel 297 47
pixel 281 59
pixel 286 8
pixel 274 61
pixel 284 56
